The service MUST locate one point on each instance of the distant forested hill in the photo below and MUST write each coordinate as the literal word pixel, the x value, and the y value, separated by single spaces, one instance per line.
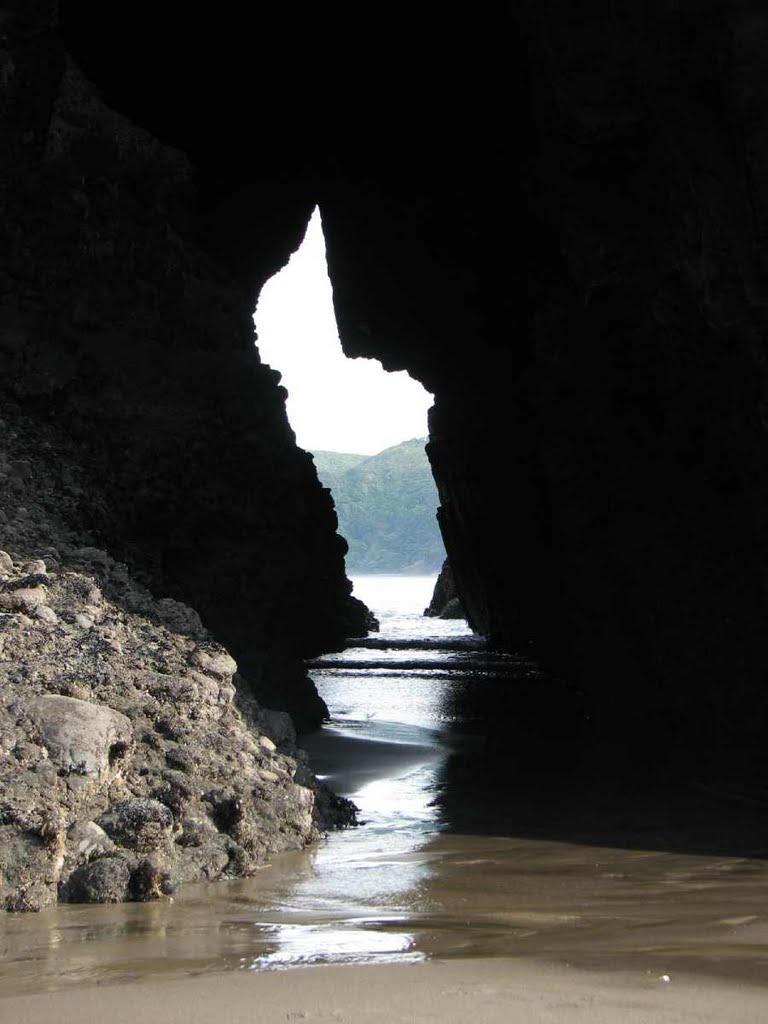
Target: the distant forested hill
pixel 386 505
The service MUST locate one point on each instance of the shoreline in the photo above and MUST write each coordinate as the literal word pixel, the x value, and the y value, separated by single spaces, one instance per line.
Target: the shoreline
pixel 486 991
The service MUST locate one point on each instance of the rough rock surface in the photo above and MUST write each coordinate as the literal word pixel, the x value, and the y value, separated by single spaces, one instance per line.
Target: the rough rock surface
pixel 79 736
pixel 132 757
pixel 568 247
pixel 445 603
pixel 132 354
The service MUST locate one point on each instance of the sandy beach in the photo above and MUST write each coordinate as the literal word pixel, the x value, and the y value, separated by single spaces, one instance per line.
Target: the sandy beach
pixel 485 991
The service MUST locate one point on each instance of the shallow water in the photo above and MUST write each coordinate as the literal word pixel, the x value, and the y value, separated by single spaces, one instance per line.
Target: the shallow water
pixel 460 855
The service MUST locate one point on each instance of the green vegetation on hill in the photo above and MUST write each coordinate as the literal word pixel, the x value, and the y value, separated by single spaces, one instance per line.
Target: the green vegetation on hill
pixel 386 507
pixel 332 465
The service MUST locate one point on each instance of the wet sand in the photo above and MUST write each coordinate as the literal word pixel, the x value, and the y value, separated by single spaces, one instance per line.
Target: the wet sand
pixel 513 922
pixel 485 991
pixel 348 763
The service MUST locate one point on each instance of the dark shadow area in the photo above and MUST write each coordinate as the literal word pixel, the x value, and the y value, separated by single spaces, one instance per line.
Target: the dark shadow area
pixel 527 763
pixel 603 258
pixel 530 756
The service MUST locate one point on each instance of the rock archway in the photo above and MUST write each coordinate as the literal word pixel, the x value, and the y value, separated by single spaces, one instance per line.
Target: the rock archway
pixel 566 246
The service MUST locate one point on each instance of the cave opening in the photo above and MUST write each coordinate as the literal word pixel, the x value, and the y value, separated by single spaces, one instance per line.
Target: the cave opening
pixel 565 246
pixel 365 426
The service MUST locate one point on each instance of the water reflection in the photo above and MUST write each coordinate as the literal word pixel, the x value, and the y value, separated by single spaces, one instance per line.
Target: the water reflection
pixel 373 879
pixel 356 941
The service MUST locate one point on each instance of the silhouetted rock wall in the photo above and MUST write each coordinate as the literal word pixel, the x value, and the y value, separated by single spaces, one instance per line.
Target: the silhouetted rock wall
pixel 445 603
pixel 566 247
pixel 579 276
pixel 159 433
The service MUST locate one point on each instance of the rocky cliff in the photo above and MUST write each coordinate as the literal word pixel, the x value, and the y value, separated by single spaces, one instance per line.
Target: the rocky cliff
pixel 566 246
pixel 577 271
pixel 157 431
pixel 145 461
pixel 385 504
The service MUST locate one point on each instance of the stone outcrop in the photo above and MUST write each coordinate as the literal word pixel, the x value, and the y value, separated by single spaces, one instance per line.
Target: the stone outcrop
pixel 567 247
pixel 132 756
pixel 446 601
pixel 578 272
pixel 128 365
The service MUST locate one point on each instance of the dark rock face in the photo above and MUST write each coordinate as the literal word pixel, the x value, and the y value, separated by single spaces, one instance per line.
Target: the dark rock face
pixel 445 603
pixel 133 356
pixel 584 291
pixel 567 248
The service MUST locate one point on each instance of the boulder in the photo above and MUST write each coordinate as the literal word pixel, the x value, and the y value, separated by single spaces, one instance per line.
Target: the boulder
pixel 102 881
pixel 216 662
pixel 139 824
pixel 81 737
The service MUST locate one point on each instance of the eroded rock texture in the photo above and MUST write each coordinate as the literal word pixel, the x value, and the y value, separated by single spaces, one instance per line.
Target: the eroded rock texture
pixel 555 220
pixel 160 434
pixel 132 755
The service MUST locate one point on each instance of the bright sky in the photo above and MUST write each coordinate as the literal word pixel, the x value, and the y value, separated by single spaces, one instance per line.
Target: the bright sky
pixel 334 403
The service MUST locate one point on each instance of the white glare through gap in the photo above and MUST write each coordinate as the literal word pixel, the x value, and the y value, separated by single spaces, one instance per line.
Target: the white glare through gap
pixel 334 403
